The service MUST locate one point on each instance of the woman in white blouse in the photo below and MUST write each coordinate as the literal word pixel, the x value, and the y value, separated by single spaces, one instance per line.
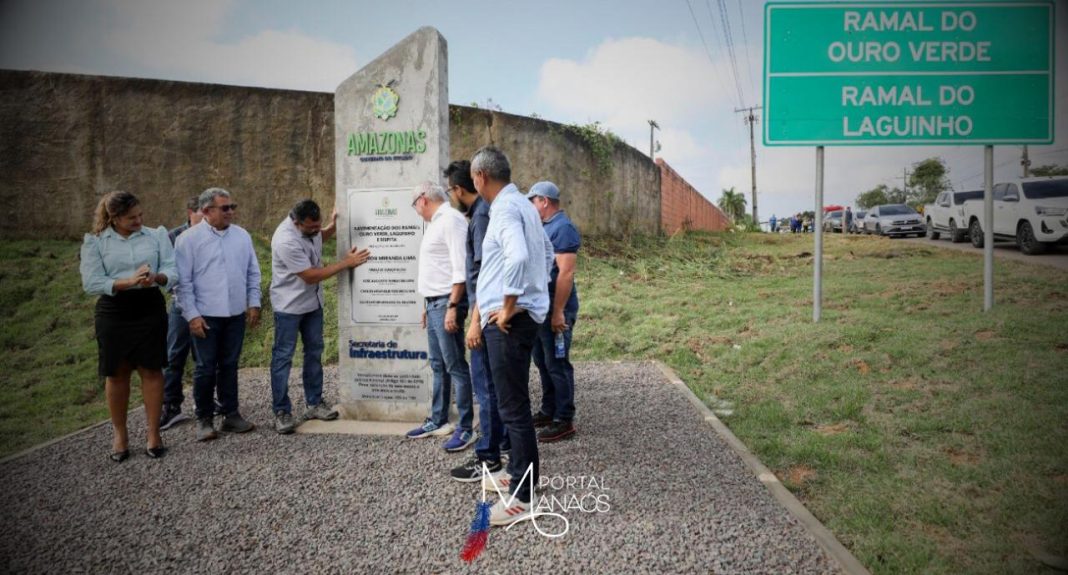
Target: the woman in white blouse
pixel 126 265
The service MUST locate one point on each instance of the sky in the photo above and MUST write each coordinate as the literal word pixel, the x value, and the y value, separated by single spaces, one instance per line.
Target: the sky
pixel 620 63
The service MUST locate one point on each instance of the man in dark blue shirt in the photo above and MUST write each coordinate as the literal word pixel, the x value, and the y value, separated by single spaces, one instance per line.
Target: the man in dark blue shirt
pixel 462 192
pixel 552 351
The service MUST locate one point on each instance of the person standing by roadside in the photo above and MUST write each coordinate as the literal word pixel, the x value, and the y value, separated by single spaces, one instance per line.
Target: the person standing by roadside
pixel 177 336
pixel 219 291
pixel 297 273
pixel 125 265
pixel 442 282
pixel 513 299
pixel 552 352
pixel 488 448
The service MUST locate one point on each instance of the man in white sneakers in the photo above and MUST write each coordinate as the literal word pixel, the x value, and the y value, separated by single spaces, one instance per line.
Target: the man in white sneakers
pixel 513 300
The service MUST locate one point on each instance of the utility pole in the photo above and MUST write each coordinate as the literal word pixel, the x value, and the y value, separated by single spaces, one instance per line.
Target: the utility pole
pixel 652 126
pixel 905 180
pixel 1026 163
pixel 751 120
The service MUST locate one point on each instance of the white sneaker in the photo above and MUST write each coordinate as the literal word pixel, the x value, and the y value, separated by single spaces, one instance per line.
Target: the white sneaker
pixel 514 512
pixel 443 430
pixel 502 478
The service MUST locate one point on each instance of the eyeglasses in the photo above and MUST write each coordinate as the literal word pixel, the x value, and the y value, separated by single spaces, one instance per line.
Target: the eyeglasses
pixel 416 200
pixel 225 208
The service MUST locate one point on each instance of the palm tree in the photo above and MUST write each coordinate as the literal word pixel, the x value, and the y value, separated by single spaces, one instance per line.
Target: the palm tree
pixel 732 203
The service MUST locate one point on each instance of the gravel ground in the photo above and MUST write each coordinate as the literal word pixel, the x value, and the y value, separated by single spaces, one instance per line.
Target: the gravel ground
pixel 679 500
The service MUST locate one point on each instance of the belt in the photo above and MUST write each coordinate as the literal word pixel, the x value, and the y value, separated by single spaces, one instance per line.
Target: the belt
pixel 435 298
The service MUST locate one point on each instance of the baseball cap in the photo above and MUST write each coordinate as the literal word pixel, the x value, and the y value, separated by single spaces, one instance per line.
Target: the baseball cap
pixel 545 190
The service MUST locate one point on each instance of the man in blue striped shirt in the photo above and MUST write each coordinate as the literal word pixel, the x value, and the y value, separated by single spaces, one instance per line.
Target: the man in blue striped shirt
pixel 218 290
pixel 513 299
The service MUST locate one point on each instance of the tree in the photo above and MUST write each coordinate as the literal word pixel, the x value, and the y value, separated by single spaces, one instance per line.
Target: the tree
pixel 1049 170
pixel 928 179
pixel 733 204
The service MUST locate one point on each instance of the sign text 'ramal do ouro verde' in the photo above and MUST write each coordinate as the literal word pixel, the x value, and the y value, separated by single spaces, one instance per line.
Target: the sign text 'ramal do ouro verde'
pixel 908 73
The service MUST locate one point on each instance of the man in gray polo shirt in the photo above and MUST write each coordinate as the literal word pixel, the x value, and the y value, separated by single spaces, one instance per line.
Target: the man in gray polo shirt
pixel 297 297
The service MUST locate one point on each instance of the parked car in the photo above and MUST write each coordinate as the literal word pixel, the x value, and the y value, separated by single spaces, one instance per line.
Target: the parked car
pixel 946 215
pixel 856 226
pixel 893 220
pixel 1033 212
pixel 832 222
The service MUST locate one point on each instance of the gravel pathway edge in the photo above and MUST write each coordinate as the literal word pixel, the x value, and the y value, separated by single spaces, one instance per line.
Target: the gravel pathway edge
pixel 817 529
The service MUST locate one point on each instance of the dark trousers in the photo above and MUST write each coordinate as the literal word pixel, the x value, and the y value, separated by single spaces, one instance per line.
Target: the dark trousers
pixel 178 346
pixel 509 361
pixel 557 373
pixel 216 364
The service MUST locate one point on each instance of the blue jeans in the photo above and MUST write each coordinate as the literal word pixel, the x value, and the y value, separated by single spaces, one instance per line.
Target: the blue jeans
pixel 557 374
pixel 449 365
pixel 178 346
pixel 286 327
pixel 216 358
pixel 490 426
pixel 509 360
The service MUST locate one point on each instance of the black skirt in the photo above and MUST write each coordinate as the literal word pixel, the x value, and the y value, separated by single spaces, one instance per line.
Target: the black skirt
pixel 131 326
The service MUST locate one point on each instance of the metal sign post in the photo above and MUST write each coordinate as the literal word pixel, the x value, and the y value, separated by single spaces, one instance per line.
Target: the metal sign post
pixel 988 228
pixel 817 263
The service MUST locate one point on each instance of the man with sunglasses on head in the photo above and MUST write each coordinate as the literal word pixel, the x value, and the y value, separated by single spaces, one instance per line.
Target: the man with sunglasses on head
pixel 219 292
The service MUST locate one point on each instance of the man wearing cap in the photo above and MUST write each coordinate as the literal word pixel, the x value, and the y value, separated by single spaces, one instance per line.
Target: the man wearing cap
pixel 552 352
pixel 297 273
pixel 513 299
pixel 442 280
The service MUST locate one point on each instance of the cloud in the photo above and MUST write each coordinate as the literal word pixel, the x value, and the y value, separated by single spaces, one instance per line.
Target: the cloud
pixel 625 82
pixel 182 40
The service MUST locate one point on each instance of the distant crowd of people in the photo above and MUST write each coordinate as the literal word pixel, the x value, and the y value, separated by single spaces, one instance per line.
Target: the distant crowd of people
pixel 489 254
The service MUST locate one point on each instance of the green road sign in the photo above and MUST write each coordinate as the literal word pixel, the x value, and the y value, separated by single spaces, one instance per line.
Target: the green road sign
pixel 878 73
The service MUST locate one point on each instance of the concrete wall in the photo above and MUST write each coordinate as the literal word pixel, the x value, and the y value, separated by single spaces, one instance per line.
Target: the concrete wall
pixel 66 139
pixel 684 208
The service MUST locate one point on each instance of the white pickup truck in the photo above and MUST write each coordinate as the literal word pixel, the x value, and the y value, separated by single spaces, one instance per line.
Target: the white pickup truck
pixel 1031 211
pixel 946 215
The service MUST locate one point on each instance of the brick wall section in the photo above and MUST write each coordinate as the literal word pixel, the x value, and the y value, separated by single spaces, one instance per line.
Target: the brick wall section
pixel 683 208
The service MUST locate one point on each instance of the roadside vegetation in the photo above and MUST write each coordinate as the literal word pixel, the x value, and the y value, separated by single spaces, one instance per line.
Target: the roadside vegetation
pixel 927 435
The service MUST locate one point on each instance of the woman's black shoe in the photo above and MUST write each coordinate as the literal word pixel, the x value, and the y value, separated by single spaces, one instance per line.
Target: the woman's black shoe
pixel 156 452
pixel 120 456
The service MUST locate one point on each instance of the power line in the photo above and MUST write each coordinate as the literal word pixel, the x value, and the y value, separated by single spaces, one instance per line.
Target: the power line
pixel 708 51
pixel 730 46
pixel 745 40
pixel 716 63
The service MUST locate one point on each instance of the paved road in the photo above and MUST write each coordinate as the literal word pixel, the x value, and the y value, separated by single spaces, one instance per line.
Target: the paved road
pixel 1058 257
pixel 676 499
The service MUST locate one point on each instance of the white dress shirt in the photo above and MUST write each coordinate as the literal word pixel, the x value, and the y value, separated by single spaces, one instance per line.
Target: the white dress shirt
pixel 443 253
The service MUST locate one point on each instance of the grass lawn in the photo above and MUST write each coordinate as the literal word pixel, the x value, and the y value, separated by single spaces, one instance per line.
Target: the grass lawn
pixel 927 435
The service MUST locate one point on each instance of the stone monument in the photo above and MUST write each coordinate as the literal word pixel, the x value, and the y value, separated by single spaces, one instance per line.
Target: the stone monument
pixel 391 132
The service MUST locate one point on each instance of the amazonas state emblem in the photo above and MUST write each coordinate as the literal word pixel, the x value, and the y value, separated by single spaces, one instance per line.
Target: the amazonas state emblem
pixel 384 102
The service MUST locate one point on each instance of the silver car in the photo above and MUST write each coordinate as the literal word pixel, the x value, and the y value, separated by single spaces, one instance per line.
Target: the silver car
pixel 894 220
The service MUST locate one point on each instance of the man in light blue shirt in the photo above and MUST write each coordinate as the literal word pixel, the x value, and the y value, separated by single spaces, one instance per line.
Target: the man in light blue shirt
pixel 218 285
pixel 513 299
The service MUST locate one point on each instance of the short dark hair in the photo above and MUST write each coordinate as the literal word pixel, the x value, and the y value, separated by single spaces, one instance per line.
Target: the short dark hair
pixel 305 210
pixel 459 174
pixel 193 204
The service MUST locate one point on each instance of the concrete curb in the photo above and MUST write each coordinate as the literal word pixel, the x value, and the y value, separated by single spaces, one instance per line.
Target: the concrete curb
pixel 849 564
